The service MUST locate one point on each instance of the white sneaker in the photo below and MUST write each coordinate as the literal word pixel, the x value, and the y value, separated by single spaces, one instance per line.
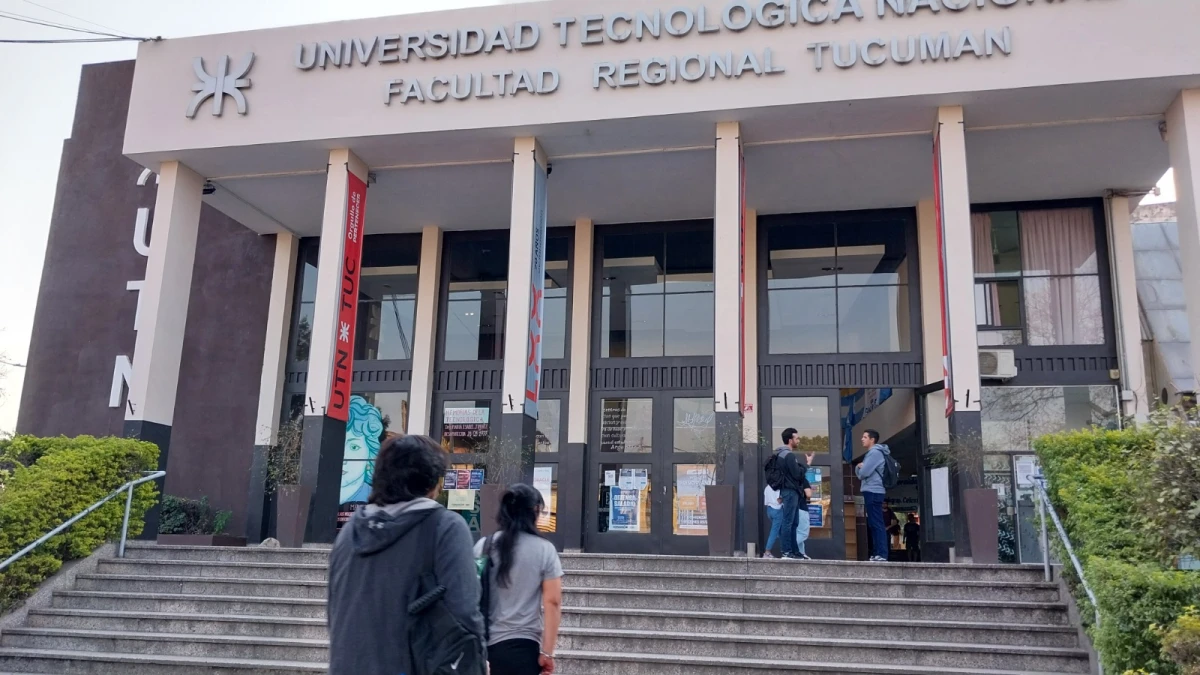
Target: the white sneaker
pixel 767 554
pixel 876 558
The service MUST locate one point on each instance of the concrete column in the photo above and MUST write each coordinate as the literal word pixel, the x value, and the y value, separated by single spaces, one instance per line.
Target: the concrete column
pixel 728 215
pixel 958 274
pixel 570 503
pixel 1135 397
pixel 162 314
pixel 522 328
pixel 1183 142
pixel 270 387
pixel 429 282
pixel 324 435
pixel 938 431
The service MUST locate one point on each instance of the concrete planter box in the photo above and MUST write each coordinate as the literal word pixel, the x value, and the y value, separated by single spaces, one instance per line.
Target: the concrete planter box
pixel 291 514
pixel 983 525
pixel 200 540
pixel 721 506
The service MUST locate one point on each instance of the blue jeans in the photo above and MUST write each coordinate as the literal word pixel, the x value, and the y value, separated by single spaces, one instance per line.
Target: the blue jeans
pixel 803 524
pixel 879 538
pixel 787 524
pixel 775 516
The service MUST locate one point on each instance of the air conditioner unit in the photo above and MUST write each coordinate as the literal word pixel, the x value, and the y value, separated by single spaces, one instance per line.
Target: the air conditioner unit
pixel 997 364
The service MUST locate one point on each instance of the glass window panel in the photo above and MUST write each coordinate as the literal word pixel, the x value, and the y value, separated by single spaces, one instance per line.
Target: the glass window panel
pixel 548 424
pixel 872 253
pixel 689 261
pixel 625 491
pixel 802 321
pixel 873 319
pixel 474 325
pixel 633 324
pixel 998 304
pixel 387 311
pixel 1058 241
pixel 689 504
pixel 997 243
pixel 545 481
pixel 626 425
pixel 1012 417
pixel 1063 311
pixel 554 324
pixel 302 339
pixel 1000 338
pixel 394 406
pixel 633 263
pixel 820 504
pixel 466 426
pixel 695 428
pixel 801 256
pixel 809 416
pixel 688 324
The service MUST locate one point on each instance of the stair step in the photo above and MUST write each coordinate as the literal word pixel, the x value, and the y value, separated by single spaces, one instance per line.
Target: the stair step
pixel 282 571
pixel 182 604
pixel 269 588
pixel 1054 613
pixel 192 624
pixel 574 662
pixel 139 550
pixel 99 663
pixel 900 630
pixel 1027 591
pixel 167 644
pixel 824 650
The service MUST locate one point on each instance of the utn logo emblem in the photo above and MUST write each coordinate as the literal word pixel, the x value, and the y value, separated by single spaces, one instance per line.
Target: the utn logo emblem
pixel 221 84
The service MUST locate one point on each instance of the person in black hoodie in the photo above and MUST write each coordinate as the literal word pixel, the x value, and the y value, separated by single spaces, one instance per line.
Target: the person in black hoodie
pixel 794 493
pixel 377 557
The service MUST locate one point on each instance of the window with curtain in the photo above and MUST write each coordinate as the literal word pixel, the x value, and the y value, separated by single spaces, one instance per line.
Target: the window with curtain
pixel 1037 278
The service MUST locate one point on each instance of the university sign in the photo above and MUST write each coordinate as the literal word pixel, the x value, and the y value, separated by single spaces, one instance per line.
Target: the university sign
pixel 688 25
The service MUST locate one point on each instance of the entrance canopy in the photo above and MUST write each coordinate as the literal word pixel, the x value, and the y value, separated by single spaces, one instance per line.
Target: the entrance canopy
pixel 836 99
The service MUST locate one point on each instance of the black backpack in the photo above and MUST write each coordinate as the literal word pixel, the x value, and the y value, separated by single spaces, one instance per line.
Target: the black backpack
pixel 889 472
pixel 774 471
pixel 437 642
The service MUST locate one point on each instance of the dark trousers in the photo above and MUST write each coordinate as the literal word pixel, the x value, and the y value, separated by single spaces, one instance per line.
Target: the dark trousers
pixel 879 538
pixel 787 521
pixel 514 657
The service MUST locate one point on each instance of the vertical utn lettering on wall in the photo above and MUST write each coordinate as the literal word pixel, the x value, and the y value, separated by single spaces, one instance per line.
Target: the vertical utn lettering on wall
pixel 122 366
pixel 537 287
pixel 343 362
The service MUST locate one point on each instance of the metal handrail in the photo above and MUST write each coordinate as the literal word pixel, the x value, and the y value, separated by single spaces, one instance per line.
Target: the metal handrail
pixel 1044 505
pixel 128 487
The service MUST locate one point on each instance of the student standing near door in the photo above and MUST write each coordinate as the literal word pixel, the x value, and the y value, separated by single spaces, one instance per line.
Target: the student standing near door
pixel 774 505
pixel 870 472
pixel 789 472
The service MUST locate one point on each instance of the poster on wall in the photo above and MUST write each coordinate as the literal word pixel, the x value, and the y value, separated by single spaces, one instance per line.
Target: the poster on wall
pixel 543 482
pixel 464 429
pixel 365 433
pixel 625 508
pixel 816 515
pixel 691 508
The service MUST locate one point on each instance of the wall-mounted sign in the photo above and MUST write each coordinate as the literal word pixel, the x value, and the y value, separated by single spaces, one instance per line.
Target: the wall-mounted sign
pixel 220 84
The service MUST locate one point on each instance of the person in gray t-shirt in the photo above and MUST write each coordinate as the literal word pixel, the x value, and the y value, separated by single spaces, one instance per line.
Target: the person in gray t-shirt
pixel 526 589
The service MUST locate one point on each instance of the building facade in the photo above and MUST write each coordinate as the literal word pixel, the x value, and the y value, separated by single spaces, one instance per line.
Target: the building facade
pixel 615 253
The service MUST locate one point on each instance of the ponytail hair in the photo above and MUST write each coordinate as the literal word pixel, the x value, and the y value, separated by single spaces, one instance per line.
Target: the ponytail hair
pixel 519 510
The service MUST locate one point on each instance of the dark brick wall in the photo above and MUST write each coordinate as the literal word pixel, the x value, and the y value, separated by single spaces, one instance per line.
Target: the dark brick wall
pixel 85 315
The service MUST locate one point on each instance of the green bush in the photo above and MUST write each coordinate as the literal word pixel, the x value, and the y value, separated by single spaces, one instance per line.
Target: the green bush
pixel 1099 482
pixel 190 516
pixel 53 479
pixel 1181 642
pixel 1171 503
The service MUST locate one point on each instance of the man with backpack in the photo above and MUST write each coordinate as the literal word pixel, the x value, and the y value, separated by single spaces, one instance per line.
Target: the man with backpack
pixel 786 473
pixel 878 471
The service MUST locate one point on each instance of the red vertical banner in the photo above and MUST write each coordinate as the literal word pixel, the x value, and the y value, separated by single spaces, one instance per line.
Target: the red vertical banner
pixel 940 222
pixel 741 282
pixel 343 359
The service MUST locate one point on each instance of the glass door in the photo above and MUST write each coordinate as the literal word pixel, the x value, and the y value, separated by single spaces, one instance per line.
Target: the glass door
pixel 655 454
pixel 815 417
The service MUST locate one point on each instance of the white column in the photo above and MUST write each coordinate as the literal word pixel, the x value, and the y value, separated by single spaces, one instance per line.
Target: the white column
pixel 1183 142
pixel 1129 322
pixel 727 232
pixel 528 161
pixel 429 281
pixel 958 263
pixel 275 347
pixel 163 302
pixel 750 409
pixel 938 429
pixel 329 283
pixel 581 331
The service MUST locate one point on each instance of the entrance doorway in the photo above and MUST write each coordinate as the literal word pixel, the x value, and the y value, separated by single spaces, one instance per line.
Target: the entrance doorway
pixel 815 414
pixel 646 475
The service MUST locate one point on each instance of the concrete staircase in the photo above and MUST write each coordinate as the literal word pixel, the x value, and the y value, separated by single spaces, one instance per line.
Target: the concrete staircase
pixel 191 610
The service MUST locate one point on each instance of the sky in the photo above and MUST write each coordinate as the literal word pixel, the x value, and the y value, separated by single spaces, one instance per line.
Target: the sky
pixel 43 81
pixel 39 83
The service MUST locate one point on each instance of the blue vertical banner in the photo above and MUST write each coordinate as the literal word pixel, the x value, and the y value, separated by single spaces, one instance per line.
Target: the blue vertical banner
pixel 537 288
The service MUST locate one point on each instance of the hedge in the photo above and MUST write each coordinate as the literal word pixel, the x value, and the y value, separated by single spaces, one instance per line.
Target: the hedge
pixel 1098 481
pixel 53 479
